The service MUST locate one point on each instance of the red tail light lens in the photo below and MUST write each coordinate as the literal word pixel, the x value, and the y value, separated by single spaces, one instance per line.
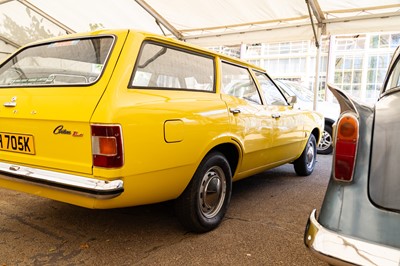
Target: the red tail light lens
pixel 345 147
pixel 107 146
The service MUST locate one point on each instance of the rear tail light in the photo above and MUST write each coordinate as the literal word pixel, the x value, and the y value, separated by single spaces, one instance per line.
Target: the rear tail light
pixel 107 146
pixel 345 147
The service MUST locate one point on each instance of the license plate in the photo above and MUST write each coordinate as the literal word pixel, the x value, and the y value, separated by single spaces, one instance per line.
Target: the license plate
pixel 17 143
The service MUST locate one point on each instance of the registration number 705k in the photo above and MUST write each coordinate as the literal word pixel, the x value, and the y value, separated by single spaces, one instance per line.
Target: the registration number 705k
pixel 17 143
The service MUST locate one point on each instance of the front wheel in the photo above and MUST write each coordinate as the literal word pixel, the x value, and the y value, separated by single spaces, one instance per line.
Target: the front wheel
pixel 203 204
pixel 305 164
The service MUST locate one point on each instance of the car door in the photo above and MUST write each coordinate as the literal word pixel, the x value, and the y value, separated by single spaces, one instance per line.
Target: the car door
pixel 287 123
pixel 250 122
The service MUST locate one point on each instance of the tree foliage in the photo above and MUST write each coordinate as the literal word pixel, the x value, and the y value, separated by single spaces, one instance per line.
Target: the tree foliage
pixel 96 26
pixel 25 34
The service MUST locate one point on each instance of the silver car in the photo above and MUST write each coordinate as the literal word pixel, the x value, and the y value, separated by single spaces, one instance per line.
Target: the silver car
pixel 359 221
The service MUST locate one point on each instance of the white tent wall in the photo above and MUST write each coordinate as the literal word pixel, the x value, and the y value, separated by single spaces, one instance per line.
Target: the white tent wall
pixel 299 32
pixel 391 24
pixel 205 23
pixel 5 50
pixel 214 21
pixel 256 36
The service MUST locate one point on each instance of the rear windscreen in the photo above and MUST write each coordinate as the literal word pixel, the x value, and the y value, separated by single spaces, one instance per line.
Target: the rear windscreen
pixel 68 62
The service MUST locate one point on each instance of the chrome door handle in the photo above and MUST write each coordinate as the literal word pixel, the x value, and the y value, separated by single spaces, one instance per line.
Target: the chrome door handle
pixel 276 116
pixel 13 102
pixel 234 111
pixel 10 104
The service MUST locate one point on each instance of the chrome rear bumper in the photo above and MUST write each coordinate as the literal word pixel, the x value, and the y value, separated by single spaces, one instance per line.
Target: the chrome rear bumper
pixel 76 184
pixel 338 249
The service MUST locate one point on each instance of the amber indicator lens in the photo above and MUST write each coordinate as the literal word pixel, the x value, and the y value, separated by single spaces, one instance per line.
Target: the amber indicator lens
pixel 107 146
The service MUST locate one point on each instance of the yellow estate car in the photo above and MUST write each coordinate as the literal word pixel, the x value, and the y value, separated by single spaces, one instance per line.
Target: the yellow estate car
pixel 118 118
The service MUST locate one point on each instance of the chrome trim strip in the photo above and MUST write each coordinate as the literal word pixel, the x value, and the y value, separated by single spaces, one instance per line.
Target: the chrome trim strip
pixel 338 249
pixel 90 187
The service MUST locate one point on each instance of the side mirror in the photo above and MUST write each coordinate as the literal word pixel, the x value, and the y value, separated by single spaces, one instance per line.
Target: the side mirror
pixel 292 100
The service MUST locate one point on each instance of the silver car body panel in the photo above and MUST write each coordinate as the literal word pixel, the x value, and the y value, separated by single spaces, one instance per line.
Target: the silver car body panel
pixel 384 181
pixel 347 207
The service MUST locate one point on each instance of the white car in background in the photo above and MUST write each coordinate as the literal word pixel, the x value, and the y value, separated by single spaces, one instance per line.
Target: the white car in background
pixel 305 99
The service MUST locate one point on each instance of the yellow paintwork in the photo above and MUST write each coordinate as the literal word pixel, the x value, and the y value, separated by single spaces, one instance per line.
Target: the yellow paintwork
pixel 166 133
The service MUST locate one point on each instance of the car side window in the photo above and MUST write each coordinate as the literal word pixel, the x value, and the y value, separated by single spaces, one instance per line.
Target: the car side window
pixel 272 94
pixel 238 82
pixel 165 67
pixel 394 78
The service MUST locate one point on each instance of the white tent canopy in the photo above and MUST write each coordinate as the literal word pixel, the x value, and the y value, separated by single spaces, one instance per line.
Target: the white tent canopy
pixel 206 22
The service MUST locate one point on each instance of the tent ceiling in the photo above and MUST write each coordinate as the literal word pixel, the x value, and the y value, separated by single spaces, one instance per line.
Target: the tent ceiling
pixel 206 22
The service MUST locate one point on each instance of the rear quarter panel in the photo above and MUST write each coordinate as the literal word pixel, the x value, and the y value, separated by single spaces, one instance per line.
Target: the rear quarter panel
pixel 166 133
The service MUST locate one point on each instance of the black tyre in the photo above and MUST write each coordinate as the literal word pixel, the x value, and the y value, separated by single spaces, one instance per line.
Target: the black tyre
pixel 203 204
pixel 305 164
pixel 325 145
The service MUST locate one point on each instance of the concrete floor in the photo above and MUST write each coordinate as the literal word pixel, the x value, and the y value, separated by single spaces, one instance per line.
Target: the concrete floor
pixel 264 226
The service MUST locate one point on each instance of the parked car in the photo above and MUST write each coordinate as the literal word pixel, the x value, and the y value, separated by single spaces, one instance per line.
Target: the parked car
pixel 305 101
pixel 359 221
pixel 122 118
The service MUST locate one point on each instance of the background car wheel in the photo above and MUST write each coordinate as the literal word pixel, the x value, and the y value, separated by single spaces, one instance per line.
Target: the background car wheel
pixel 203 204
pixel 325 145
pixel 305 164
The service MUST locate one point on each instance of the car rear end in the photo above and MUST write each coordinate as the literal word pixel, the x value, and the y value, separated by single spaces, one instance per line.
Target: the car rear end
pixel 359 221
pixel 48 93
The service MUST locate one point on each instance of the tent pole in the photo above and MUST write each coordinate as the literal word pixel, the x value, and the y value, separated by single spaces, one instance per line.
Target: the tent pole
pixel 159 19
pixel 317 63
pixel 313 6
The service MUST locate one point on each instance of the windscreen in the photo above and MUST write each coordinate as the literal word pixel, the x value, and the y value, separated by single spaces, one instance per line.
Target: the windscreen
pixel 68 62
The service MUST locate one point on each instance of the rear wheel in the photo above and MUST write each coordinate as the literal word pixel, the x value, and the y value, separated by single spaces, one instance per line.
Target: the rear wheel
pixel 305 164
pixel 203 204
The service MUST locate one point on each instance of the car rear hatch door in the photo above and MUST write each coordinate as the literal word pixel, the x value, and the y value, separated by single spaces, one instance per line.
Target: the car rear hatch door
pixel 47 129
pixel 48 93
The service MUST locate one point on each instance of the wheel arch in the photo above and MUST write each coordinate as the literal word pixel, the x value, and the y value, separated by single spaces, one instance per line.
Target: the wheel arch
pixel 317 134
pixel 329 121
pixel 231 153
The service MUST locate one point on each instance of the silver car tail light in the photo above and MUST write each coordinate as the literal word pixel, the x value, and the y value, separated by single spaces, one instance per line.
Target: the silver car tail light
pixel 346 141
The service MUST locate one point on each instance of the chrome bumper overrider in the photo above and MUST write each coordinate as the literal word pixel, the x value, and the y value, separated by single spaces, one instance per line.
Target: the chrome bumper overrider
pixel 337 249
pixel 91 187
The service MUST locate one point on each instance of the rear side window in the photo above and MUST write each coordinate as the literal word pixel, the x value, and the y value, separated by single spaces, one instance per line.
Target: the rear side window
pixel 69 62
pixel 164 67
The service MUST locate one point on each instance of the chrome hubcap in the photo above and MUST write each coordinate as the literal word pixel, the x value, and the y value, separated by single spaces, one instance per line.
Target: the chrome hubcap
pixel 310 156
pixel 326 141
pixel 212 192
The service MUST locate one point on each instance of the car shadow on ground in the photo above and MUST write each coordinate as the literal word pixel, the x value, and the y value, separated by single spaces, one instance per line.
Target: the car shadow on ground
pixel 52 214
